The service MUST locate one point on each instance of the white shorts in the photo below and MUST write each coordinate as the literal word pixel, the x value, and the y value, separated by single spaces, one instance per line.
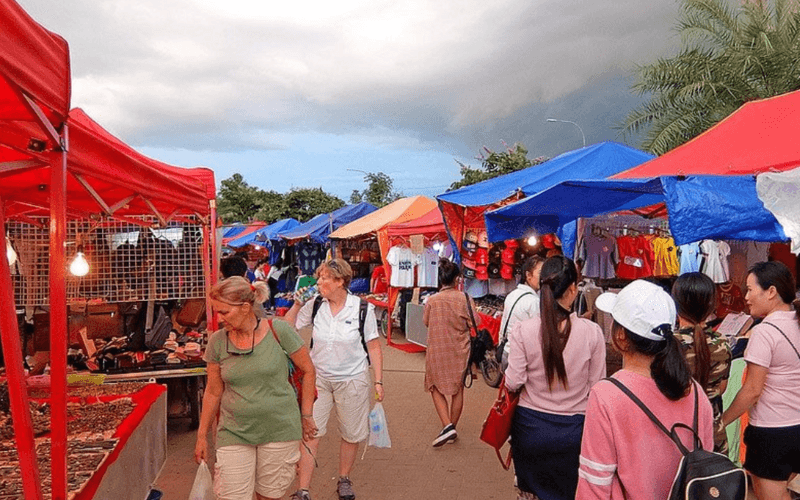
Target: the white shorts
pixel 267 469
pixel 351 398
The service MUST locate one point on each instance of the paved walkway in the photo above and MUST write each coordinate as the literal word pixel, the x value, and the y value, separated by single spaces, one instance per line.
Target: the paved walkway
pixel 411 469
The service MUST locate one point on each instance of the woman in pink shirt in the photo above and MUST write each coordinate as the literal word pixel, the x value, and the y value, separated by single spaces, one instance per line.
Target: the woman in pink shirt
pixel 554 359
pixel 623 454
pixel 771 391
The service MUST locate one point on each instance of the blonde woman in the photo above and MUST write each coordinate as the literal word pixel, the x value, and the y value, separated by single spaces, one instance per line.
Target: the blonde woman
pixel 259 430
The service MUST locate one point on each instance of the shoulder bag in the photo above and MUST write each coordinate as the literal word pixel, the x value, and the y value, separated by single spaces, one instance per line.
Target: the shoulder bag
pixel 295 373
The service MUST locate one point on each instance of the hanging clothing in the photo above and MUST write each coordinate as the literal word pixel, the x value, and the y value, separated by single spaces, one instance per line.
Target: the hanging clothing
pixel 428 268
pixel 666 257
pixel 635 257
pixel 729 299
pixel 401 259
pixel 309 257
pixel 716 260
pixel 782 253
pixel 690 258
pixel 599 254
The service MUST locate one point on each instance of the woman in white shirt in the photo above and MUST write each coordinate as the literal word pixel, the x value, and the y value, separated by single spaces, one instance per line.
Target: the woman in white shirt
pixel 343 379
pixel 521 304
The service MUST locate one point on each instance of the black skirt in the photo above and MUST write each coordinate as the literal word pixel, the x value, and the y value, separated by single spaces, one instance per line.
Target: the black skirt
pixel 546 449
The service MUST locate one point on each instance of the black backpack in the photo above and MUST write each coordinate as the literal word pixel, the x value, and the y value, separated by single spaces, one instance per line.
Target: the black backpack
pixel 702 475
pixel 362 319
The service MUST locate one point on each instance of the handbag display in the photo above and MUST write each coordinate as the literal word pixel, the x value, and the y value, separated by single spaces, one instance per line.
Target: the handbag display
pixel 295 373
pixel 497 426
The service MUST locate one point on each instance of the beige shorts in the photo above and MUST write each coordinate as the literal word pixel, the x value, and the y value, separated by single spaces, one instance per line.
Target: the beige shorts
pixel 351 399
pixel 267 469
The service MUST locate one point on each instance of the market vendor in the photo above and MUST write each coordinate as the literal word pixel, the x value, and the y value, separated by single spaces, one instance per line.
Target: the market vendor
pixel 260 425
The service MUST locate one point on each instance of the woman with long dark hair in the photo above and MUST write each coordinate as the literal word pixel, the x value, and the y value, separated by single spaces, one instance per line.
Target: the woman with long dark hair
pixel 624 455
pixel 771 391
pixel 707 352
pixel 554 359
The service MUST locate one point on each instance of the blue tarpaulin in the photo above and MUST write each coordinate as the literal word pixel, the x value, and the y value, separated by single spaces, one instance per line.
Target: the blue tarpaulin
pixel 699 207
pixel 318 228
pixel 266 234
pixel 464 208
pixel 232 231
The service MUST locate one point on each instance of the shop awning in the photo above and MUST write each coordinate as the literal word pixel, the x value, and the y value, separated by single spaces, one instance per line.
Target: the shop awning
pixel 248 231
pixel 402 210
pixel 464 208
pixel 700 207
pixel 318 228
pixel 34 61
pixel 108 176
pixel 264 234
pixel 429 224
pixel 761 136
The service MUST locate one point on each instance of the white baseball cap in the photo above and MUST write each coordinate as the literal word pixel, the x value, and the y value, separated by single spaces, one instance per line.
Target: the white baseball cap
pixel 642 307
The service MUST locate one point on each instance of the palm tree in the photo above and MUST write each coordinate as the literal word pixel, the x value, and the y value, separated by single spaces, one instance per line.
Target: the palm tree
pixel 730 55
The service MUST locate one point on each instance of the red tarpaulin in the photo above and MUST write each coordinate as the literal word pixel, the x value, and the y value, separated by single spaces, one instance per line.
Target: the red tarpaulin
pixel 34 61
pixel 761 136
pixel 115 172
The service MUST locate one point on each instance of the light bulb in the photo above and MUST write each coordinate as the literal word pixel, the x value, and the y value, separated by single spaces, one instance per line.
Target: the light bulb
pixel 437 246
pixel 11 255
pixel 79 266
pixel 532 241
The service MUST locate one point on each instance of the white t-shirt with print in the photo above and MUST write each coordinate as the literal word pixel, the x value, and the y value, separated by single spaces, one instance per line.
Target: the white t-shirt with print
pixel 402 261
pixel 428 268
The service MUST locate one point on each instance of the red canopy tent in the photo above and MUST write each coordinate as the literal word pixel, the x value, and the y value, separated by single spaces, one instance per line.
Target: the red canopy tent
pixel 35 90
pixel 430 224
pixel 760 136
pixel 106 177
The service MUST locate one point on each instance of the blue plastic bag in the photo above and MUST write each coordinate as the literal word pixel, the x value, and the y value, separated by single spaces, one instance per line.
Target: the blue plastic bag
pixel 378 431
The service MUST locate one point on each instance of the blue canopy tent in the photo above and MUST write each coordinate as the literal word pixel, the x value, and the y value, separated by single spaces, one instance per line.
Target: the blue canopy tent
pixel 463 209
pixel 266 234
pixel 699 207
pixel 318 228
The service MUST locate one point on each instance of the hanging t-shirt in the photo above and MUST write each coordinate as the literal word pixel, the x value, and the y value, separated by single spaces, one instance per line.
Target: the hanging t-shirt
pixel 666 254
pixel 428 268
pixel 715 252
pixel 476 288
pixel 379 279
pixel 309 257
pixel 782 253
pixel 402 261
pixel 635 257
pixel 729 299
pixel 599 252
pixel 690 258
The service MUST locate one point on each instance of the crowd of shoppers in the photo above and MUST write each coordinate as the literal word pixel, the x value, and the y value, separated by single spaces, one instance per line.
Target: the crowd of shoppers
pixel 574 435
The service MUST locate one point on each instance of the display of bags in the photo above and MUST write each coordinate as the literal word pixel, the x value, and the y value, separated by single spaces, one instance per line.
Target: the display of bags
pixel 103 321
pixel 155 337
pixel 497 426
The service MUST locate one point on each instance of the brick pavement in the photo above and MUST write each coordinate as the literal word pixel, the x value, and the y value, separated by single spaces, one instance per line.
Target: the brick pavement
pixel 465 470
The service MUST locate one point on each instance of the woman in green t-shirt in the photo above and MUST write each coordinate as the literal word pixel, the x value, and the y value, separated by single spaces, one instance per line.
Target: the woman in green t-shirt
pixel 259 430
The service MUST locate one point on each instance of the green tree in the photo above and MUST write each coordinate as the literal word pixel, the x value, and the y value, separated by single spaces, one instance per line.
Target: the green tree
pixel 730 55
pixel 305 203
pixel 379 191
pixel 494 164
pixel 273 207
pixel 238 201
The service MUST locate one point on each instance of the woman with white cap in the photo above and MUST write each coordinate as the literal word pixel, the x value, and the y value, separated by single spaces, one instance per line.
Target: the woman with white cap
pixel 623 453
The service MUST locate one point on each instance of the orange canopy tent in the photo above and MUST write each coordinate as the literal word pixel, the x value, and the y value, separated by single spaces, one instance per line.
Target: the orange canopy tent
pixel 377 224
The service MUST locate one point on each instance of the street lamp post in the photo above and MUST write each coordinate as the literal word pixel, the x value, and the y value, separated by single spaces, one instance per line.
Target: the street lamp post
pixel 551 120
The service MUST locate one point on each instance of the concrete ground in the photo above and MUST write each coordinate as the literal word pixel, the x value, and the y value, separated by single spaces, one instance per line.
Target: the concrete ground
pixel 411 468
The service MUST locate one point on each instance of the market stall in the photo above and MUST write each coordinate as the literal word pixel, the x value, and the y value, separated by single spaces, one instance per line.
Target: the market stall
pixel 371 232
pixel 64 180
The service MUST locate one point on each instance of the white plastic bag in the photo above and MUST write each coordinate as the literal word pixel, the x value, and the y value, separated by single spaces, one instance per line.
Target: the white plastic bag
pixel 203 487
pixel 378 431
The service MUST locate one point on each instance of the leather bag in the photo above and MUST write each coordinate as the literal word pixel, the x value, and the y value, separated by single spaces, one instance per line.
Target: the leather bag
pixel 497 426
pixel 103 321
pixel 192 313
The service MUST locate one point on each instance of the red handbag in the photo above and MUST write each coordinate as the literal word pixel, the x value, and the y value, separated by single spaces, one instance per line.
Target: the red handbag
pixel 497 426
pixel 295 373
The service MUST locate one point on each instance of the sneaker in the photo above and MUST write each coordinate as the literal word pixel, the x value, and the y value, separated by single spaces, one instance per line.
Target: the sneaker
pixel 345 489
pixel 300 495
pixel 448 434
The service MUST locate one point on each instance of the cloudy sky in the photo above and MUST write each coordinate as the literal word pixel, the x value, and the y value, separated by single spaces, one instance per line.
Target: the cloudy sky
pixel 295 93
